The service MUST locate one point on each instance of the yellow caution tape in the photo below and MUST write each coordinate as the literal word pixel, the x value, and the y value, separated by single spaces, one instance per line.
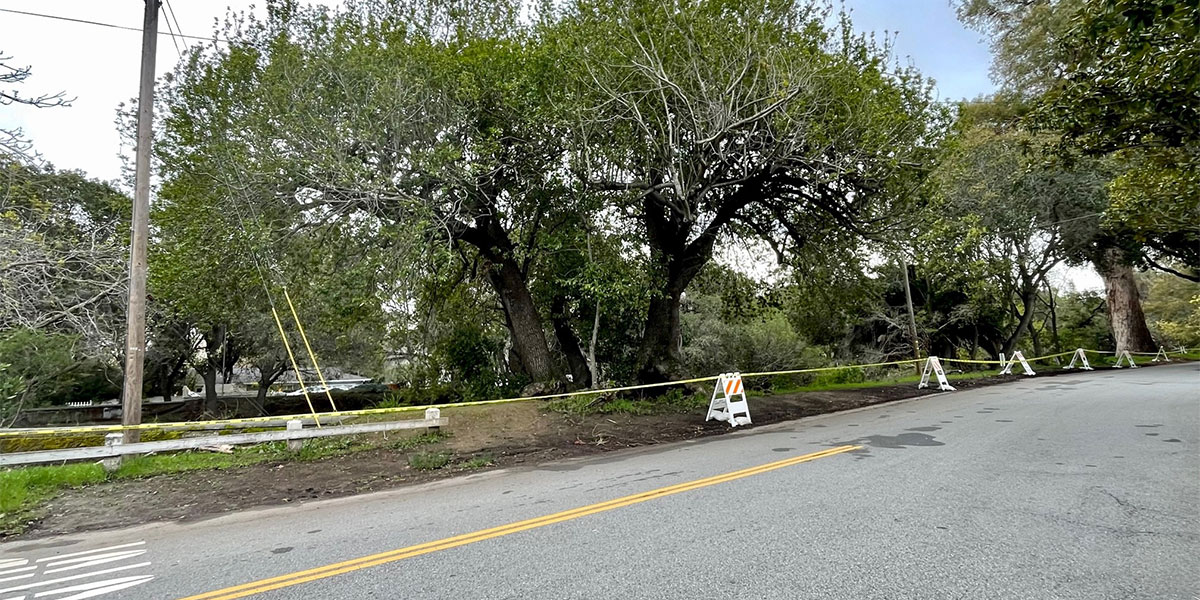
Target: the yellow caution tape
pixel 233 423
pixel 814 370
pixel 971 361
pixel 344 413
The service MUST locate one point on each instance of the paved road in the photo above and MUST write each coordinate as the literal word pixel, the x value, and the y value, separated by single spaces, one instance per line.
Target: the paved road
pixel 1080 486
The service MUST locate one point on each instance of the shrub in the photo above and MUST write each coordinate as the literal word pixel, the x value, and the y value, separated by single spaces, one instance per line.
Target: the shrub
pixel 428 461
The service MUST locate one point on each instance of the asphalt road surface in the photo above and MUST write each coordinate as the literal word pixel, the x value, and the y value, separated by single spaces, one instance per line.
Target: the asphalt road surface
pixel 1079 486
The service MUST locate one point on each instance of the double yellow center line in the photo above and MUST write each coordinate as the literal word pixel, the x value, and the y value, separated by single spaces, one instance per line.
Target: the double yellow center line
pixel 290 579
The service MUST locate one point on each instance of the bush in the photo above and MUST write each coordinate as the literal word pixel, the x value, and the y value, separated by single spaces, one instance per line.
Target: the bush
pixel 840 376
pixel 713 345
pixel 428 461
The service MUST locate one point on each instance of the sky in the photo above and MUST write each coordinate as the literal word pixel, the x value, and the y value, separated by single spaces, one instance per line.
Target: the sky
pixel 99 66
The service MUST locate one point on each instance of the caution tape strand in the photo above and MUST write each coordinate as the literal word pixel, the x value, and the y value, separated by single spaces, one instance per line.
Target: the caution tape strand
pixel 234 423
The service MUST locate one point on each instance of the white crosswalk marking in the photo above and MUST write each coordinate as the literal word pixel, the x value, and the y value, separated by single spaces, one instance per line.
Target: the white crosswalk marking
pixel 92 551
pixel 85 581
pixel 91 560
pixel 96 588
pixel 15 571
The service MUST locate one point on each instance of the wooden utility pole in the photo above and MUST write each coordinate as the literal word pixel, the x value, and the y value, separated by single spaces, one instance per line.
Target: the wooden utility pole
pixel 912 318
pixel 135 335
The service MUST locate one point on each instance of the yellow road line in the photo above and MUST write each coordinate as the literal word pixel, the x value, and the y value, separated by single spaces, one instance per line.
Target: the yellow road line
pixel 290 579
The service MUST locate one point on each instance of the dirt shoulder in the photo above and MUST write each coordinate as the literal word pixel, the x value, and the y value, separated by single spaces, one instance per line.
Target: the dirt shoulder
pixel 481 437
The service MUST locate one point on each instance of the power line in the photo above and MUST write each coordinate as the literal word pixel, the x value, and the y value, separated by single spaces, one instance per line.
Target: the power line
pixel 171 32
pixel 110 25
pixel 171 10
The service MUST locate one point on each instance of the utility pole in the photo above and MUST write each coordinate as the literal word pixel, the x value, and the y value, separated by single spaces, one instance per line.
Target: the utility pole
pixel 912 318
pixel 135 335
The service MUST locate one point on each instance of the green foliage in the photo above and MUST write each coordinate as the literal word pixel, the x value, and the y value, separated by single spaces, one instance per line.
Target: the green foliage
pixel 424 439
pixel 1131 75
pixel 62 239
pixel 1083 321
pixel 675 400
pixel 728 327
pixel 840 377
pixel 25 486
pixel 477 462
pixel 35 366
pixel 429 461
pixel 1172 307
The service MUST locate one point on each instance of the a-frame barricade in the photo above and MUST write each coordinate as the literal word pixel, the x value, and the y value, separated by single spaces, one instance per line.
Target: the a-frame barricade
pixel 1080 356
pixel 933 366
pixel 1123 356
pixel 729 401
pixel 1014 359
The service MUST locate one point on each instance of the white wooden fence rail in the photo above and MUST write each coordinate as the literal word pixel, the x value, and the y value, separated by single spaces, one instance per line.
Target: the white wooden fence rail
pixel 293 434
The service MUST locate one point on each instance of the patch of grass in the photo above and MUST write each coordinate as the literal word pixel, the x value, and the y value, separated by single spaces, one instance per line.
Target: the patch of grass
pixel 424 439
pixel 429 461
pixel 19 486
pixel 137 467
pixel 318 448
pixel 23 490
pixel 477 462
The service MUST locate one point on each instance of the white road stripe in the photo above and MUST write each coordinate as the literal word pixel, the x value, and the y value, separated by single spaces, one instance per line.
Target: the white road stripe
pixel 62 556
pixel 13 562
pixel 17 577
pixel 27 586
pixel 88 561
pixel 111 588
pixel 16 598
pixel 21 570
pixel 100 587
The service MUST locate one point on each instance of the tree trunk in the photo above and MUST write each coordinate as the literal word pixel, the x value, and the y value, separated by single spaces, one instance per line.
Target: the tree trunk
pixel 593 368
pixel 1052 305
pixel 659 354
pixel 1125 316
pixel 525 325
pixel 677 263
pixel 266 378
pixel 210 389
pixel 1028 298
pixel 581 375
pixel 260 399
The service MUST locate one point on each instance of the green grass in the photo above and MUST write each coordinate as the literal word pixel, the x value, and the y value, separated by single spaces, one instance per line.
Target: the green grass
pixel 674 401
pixel 478 462
pixel 429 461
pixel 424 439
pixel 23 490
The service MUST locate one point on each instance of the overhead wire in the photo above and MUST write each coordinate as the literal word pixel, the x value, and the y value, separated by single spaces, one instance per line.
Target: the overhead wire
pixel 171 11
pixel 213 38
pixel 171 32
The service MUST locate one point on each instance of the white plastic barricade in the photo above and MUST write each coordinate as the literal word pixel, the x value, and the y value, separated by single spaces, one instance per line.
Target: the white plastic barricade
pixel 1162 353
pixel 1080 356
pixel 1016 357
pixel 729 401
pixel 934 366
pixel 1123 356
